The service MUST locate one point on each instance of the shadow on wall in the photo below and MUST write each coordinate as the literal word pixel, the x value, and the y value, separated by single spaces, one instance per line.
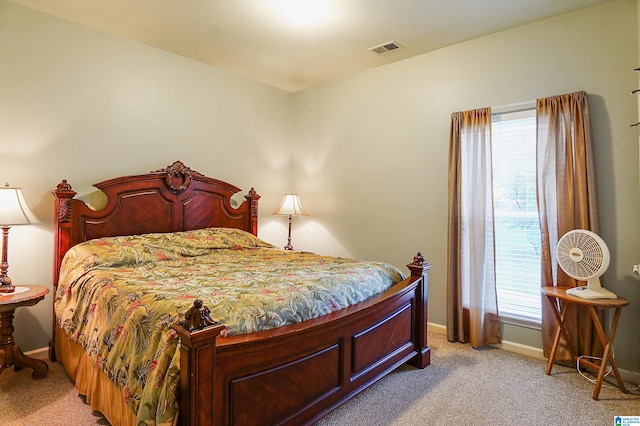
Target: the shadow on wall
pixel 306 235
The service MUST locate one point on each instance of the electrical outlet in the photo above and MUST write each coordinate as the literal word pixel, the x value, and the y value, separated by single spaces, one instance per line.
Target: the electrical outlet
pixel 636 269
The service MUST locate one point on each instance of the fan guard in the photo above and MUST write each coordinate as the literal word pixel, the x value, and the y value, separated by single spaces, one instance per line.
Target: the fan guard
pixel 584 256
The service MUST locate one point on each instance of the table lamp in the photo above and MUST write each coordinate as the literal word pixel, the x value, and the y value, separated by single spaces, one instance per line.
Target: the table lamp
pixel 13 211
pixel 290 206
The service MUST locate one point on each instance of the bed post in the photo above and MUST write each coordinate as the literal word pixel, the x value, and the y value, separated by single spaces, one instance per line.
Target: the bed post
pixel 419 267
pixel 62 224
pixel 197 368
pixel 62 239
pixel 252 197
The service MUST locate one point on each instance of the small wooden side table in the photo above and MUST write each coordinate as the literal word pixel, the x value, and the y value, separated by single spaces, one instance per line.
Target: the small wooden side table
pixel 554 293
pixel 10 353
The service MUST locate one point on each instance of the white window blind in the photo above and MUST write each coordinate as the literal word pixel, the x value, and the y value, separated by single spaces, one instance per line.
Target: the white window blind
pixel 517 228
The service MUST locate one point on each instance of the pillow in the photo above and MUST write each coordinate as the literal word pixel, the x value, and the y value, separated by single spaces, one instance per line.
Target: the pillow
pixel 139 249
pixel 214 238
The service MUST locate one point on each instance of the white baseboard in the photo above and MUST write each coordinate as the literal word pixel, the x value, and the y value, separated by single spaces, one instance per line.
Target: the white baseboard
pixel 506 345
pixel 436 328
pixel 520 349
pixel 42 353
pixel 628 376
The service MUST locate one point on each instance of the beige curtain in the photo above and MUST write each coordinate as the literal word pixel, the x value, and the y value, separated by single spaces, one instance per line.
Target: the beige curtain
pixel 567 200
pixel 472 307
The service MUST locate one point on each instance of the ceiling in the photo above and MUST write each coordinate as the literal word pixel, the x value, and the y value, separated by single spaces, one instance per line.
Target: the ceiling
pixel 297 44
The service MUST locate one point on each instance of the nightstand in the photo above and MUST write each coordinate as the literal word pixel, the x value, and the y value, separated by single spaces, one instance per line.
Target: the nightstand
pixel 10 353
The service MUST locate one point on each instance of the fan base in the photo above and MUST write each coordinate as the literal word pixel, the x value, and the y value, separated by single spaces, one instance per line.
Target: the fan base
pixel 587 292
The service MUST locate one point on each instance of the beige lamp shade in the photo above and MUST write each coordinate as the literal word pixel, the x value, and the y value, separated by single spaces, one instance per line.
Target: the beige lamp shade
pixel 290 206
pixel 13 207
pixel 13 211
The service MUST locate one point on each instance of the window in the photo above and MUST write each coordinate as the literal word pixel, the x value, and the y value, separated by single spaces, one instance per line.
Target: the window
pixel 517 228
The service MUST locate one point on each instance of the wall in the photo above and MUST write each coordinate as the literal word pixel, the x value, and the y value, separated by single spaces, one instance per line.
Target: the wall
pixel 368 154
pixel 79 105
pixel 371 151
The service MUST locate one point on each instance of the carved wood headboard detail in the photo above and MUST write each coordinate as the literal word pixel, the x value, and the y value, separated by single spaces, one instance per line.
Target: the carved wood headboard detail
pixel 171 199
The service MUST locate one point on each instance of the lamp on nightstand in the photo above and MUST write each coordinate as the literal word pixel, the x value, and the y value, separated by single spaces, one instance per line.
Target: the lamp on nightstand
pixel 290 206
pixel 13 211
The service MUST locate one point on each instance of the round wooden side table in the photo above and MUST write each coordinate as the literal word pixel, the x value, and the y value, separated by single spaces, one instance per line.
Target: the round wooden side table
pixel 10 353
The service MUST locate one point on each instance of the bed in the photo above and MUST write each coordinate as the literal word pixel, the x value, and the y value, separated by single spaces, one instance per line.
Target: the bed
pixel 287 373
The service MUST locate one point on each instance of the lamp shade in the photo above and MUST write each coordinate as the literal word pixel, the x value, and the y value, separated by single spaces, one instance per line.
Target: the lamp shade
pixel 291 206
pixel 13 207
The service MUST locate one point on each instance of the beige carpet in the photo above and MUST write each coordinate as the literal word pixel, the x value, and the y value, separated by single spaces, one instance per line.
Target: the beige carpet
pixel 462 386
pixel 50 401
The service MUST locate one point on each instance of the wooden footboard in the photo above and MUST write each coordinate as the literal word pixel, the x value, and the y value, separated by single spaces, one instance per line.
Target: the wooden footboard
pixel 299 373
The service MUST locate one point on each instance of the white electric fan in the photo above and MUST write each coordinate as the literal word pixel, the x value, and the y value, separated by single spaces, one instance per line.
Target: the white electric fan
pixel 584 256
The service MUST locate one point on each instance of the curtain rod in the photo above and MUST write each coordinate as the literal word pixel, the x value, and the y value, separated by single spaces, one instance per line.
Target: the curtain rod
pixel 514 107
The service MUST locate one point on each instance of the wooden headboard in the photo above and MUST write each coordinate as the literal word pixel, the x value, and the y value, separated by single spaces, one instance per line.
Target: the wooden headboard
pixel 171 199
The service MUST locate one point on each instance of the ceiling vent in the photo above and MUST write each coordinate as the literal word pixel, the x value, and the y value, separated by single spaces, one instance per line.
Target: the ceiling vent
pixel 385 47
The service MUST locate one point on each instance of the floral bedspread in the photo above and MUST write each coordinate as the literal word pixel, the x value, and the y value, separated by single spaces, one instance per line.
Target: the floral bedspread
pixel 117 298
